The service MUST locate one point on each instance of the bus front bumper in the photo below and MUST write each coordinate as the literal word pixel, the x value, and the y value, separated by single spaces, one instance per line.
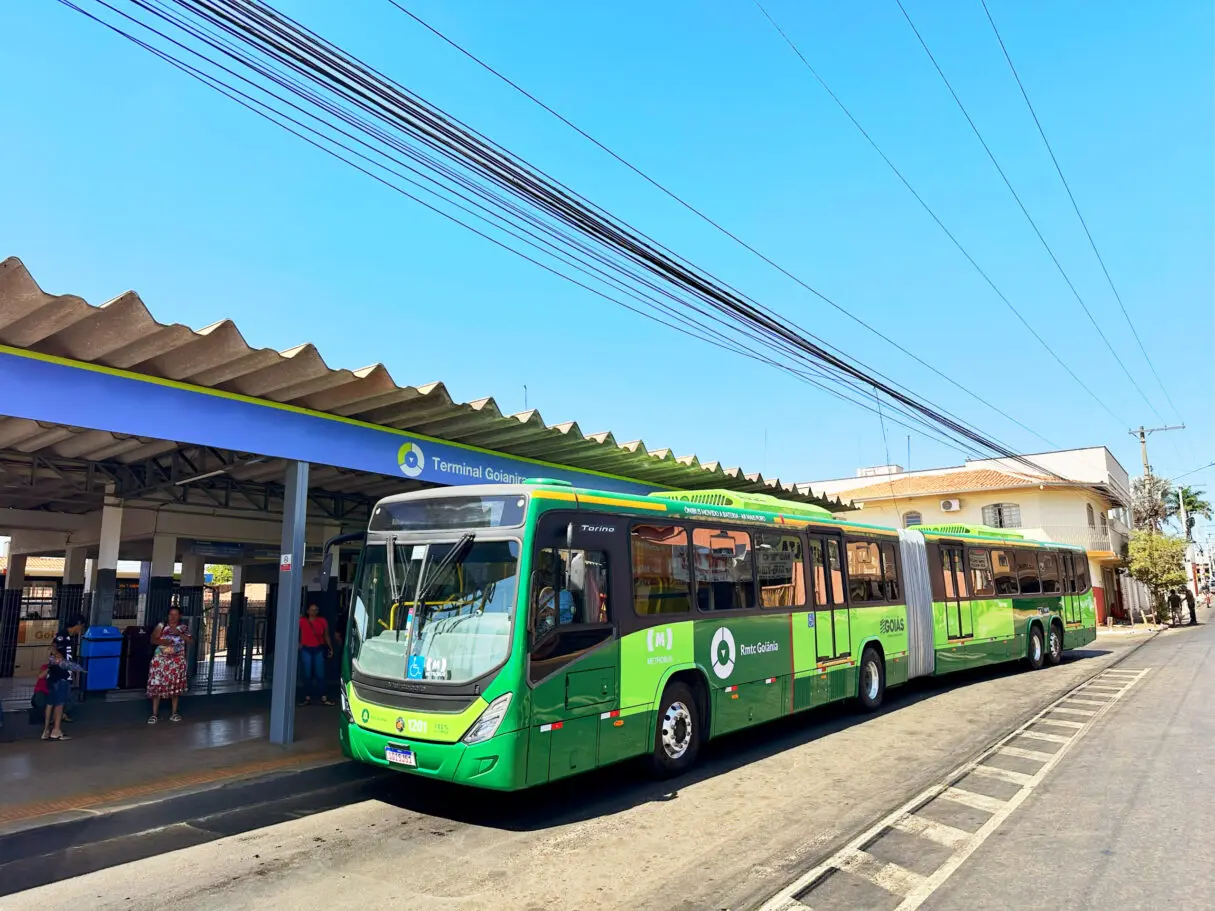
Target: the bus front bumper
pixel 497 763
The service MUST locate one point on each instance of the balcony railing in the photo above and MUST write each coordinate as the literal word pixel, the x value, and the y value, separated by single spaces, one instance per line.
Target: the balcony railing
pixel 1092 539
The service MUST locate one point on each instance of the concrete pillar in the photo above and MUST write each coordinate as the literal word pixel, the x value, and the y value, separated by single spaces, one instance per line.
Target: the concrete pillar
pixel 69 595
pixel 73 565
pixel 14 579
pixel 286 611
pixel 90 575
pixel 192 570
pixel 158 595
pixel 107 563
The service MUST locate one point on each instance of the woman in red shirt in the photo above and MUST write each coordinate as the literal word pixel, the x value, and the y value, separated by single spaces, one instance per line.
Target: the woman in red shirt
pixel 315 647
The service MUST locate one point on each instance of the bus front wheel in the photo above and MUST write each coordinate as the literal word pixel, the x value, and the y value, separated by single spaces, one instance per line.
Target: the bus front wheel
pixel 677 734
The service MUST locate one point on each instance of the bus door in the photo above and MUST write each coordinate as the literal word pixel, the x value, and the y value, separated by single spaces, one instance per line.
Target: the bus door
pixel 832 626
pixel 573 662
pixel 959 618
pixel 1071 597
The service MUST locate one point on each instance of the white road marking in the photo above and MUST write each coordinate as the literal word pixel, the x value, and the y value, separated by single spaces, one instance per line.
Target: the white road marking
pixel 1075 701
pixel 888 876
pixel 915 888
pixel 973 800
pixel 1060 723
pixel 1021 753
pixel 932 830
pixel 992 771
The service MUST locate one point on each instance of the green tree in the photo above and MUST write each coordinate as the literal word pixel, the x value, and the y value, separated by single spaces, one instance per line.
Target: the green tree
pixel 1194 503
pixel 1149 506
pixel 221 574
pixel 1158 561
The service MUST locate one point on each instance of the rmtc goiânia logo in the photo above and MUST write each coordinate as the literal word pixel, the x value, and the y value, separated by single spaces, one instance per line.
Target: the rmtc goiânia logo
pixel 723 653
pixel 411 459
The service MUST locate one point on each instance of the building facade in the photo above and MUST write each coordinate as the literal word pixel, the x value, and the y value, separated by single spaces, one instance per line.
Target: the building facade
pixel 1081 497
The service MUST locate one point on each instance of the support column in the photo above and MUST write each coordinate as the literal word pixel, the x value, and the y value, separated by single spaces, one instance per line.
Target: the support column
pixel 69 596
pixel 107 563
pixel 160 580
pixel 190 591
pixel 287 604
pixel 14 578
pixel 236 618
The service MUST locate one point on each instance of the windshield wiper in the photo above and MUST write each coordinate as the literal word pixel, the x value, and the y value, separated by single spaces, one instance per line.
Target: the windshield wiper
pixel 426 583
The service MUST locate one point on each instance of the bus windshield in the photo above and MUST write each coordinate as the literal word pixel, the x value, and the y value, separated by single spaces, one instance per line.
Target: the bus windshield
pixel 460 631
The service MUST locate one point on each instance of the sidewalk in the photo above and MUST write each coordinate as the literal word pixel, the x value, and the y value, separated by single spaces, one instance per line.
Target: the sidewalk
pixel 106 768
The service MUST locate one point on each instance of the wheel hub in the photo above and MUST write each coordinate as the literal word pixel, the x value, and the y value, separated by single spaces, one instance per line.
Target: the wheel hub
pixel 872 679
pixel 676 730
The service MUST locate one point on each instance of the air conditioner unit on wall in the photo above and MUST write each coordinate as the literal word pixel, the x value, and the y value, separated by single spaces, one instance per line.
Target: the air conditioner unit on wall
pixel 951 505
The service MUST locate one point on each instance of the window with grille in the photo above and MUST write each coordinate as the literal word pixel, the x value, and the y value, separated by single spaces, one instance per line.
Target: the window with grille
pixel 911 519
pixel 1002 515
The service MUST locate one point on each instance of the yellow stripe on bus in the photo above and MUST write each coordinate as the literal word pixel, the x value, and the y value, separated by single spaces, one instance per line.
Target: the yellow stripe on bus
pixel 601 501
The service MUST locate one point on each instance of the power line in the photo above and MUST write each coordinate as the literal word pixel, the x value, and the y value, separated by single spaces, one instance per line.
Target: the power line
pixel 284 42
pixel 933 215
pixel 706 218
pixel 1076 207
pixel 1024 211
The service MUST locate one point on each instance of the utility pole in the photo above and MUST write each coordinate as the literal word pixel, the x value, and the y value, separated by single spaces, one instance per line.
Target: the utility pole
pixel 1143 433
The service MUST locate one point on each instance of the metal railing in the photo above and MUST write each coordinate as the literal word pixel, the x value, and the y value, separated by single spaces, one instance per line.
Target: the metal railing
pixel 1091 538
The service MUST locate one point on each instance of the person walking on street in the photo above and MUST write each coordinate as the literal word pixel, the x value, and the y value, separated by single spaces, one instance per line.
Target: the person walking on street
pixel 315 648
pixel 167 673
pixel 1174 607
pixel 1191 604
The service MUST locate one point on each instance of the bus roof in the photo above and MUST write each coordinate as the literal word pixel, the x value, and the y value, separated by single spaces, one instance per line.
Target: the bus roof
pixel 721 504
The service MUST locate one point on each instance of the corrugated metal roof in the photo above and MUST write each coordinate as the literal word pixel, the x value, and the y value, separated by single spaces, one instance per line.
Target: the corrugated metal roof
pixel 122 333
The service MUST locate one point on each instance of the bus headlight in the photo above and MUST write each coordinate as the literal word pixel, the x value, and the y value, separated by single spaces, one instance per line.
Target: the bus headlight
pixel 345 704
pixel 487 725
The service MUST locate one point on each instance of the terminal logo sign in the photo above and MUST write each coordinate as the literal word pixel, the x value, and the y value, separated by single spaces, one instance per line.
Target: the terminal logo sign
pixel 411 459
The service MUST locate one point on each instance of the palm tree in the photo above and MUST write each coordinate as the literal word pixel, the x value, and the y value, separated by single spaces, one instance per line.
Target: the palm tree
pixel 1194 503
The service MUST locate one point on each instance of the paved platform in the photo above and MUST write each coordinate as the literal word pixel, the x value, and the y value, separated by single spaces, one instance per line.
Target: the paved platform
pixel 105 768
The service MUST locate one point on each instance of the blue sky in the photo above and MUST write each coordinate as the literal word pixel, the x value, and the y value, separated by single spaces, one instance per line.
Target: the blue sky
pixel 122 173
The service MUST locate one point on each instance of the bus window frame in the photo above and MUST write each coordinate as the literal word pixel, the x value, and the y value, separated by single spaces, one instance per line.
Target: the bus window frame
pixel 642 621
pixel 693 575
pixel 540 543
pixel 807 568
pixel 877 541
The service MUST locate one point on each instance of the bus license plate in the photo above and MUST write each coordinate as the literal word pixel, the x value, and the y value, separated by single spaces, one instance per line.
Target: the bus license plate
pixel 401 756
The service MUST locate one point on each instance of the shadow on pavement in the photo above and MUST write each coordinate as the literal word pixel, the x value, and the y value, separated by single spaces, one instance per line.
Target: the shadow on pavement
pixel 56 852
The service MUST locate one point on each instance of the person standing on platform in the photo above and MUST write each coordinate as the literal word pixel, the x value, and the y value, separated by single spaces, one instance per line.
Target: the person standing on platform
pixel 167 677
pixel 315 648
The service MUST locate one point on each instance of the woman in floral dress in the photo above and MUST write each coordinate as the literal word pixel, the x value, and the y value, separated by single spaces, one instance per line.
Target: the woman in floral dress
pixel 167 674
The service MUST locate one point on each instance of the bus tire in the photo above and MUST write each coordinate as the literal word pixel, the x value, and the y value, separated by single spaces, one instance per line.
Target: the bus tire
pixel 1035 655
pixel 677 733
pixel 1054 644
pixel 871 680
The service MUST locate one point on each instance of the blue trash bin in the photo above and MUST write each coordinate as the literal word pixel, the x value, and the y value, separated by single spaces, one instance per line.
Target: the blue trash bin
pixel 100 654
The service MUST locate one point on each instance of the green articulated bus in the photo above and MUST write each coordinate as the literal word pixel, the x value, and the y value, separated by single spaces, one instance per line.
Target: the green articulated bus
pixel 503 636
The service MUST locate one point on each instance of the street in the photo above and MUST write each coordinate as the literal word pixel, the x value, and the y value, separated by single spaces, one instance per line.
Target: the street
pixel 761 810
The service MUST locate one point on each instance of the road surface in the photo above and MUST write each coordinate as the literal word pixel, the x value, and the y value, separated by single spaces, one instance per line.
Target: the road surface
pixel 762 808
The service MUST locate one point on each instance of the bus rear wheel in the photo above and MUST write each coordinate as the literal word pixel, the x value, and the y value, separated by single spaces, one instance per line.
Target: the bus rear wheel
pixel 677 734
pixel 872 680
pixel 1054 644
pixel 1036 655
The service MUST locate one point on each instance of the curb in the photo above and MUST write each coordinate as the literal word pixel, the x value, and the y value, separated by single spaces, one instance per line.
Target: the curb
pixel 223 791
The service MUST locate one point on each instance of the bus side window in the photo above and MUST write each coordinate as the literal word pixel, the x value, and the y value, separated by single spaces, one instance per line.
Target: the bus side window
pixel 890 572
pixel 820 573
pixel 864 571
pixel 1027 572
pixel 836 565
pixel 981 581
pixel 570 612
pixel 1006 576
pixel 1048 572
pixel 661 582
pixel 780 570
